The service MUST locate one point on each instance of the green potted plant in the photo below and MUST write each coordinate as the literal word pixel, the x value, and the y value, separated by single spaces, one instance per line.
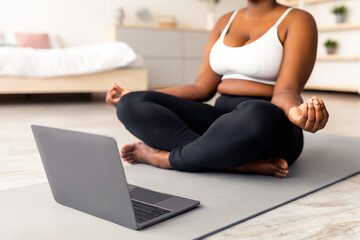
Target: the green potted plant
pixel 331 46
pixel 339 12
pixel 210 15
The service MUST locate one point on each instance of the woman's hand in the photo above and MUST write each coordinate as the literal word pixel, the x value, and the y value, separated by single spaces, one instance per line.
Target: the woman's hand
pixel 311 116
pixel 111 96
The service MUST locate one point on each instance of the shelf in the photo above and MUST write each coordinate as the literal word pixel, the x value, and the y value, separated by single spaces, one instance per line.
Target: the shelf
pixel 155 27
pixel 338 58
pixel 112 30
pixel 339 88
pixel 296 2
pixel 338 27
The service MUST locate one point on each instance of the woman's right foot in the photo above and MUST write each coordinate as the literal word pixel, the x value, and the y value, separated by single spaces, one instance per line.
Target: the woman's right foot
pixel 277 167
pixel 141 153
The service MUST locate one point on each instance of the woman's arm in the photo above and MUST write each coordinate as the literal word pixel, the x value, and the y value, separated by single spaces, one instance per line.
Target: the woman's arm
pixel 299 58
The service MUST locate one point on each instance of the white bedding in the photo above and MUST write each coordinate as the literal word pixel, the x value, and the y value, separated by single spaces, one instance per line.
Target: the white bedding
pixel 29 62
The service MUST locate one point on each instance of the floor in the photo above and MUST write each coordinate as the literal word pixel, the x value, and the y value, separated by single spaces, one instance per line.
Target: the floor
pixel 332 213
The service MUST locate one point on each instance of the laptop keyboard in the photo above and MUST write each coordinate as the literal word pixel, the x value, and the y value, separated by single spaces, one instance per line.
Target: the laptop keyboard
pixel 145 212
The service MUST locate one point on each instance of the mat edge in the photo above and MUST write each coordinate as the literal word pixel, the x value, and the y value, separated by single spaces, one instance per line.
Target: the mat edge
pixel 274 207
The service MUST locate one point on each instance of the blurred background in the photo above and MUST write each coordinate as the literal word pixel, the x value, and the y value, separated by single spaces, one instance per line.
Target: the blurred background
pixel 168 35
pixel 58 59
pixel 85 21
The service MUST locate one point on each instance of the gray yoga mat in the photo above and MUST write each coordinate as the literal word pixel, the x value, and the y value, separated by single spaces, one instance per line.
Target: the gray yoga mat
pixel 226 198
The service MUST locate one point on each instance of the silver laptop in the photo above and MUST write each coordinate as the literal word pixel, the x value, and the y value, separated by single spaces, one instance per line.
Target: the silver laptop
pixel 85 172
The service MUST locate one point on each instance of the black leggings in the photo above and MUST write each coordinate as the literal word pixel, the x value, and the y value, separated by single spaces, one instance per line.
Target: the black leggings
pixel 236 131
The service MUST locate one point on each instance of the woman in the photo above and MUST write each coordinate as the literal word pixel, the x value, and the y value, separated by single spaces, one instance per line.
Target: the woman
pixel 259 59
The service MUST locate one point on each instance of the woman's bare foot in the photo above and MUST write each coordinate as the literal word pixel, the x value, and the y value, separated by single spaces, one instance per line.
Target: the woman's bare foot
pixel 277 167
pixel 141 153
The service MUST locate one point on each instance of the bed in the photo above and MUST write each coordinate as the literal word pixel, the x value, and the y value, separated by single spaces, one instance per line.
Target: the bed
pixel 85 69
pixel 129 78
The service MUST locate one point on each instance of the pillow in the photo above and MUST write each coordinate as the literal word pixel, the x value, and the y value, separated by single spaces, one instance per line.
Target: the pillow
pixel 9 39
pixel 33 40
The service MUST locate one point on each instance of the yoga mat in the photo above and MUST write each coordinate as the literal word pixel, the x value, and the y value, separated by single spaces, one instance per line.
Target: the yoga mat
pixel 226 198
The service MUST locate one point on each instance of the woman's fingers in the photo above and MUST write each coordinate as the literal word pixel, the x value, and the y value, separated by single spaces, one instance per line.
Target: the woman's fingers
pixel 318 115
pixel 296 116
pixel 303 107
pixel 110 97
pixel 305 114
pixel 325 113
pixel 113 92
pixel 117 88
pixel 311 116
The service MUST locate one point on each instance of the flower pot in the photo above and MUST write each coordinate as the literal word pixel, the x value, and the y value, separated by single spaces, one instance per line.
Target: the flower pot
pixel 340 17
pixel 331 50
pixel 210 19
pixel 120 16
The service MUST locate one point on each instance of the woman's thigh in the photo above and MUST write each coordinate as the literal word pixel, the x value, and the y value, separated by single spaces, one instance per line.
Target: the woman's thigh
pixel 164 121
pixel 258 113
pixel 255 129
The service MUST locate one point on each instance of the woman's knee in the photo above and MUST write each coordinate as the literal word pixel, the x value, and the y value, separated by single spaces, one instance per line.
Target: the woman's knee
pixel 262 116
pixel 256 106
pixel 269 125
pixel 128 106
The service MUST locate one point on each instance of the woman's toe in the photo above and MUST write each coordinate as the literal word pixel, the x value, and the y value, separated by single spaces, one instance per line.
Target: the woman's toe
pixel 278 175
pixel 126 151
pixel 127 158
pixel 282 163
pixel 127 148
pixel 132 161
pixel 282 173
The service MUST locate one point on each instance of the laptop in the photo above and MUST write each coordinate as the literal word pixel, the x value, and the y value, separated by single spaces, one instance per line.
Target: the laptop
pixel 85 173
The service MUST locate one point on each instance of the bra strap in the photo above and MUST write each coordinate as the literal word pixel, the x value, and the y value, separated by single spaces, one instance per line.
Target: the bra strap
pixel 282 17
pixel 230 21
pixel 232 17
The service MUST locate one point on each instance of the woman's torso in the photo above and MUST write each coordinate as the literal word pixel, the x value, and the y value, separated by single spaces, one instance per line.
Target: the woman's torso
pixel 247 42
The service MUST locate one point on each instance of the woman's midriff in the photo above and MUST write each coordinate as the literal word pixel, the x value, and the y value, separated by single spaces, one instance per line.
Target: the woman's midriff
pixel 245 88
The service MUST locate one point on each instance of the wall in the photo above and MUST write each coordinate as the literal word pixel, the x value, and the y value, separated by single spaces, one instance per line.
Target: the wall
pixel 85 21
pixel 348 40
pixel 340 75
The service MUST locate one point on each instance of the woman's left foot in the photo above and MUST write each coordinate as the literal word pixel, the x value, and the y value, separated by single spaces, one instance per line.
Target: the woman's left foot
pixel 141 153
pixel 277 167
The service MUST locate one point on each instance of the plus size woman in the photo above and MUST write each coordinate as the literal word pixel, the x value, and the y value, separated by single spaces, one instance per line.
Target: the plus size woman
pixel 258 59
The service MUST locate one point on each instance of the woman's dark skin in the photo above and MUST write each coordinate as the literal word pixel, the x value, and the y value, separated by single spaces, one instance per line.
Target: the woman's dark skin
pixel 298 34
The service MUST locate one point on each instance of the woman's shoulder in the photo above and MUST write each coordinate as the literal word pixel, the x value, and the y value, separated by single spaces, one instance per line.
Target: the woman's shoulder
pixel 225 18
pixel 298 17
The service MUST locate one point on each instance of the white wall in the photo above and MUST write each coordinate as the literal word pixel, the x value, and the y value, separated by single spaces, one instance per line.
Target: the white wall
pixel 348 40
pixel 344 74
pixel 85 21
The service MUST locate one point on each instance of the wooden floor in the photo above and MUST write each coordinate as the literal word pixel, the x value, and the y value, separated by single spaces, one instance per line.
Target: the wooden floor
pixel 332 213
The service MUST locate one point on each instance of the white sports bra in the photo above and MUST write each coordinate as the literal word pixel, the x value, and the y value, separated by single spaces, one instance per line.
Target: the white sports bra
pixel 258 61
